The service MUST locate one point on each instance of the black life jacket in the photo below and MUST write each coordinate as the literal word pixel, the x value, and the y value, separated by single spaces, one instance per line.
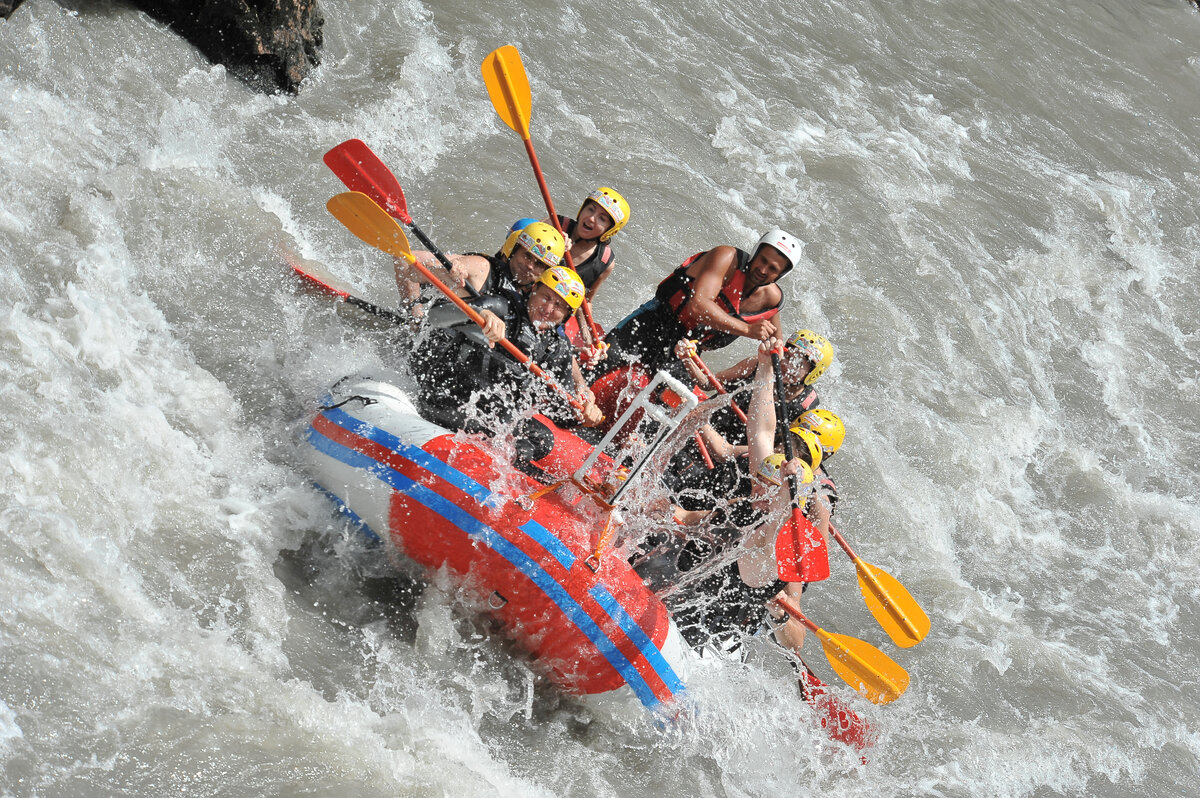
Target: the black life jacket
pixel 453 366
pixel 596 264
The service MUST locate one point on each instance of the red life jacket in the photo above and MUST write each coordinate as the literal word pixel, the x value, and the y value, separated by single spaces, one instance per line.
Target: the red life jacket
pixel 677 290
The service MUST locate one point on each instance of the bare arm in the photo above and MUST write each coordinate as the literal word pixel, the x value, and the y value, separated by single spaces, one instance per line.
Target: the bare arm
pixel 464 268
pixel 710 273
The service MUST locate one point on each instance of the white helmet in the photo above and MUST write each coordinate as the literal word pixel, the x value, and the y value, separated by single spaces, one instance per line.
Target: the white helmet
pixel 790 246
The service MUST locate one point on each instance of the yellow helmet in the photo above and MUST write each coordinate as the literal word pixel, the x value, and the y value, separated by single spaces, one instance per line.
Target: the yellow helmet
pixel 827 426
pixel 543 242
pixel 808 445
pixel 816 348
pixel 566 283
pixel 770 470
pixel 613 204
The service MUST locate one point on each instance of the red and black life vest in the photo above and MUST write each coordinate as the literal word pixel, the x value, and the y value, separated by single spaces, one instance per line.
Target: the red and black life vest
pixel 678 287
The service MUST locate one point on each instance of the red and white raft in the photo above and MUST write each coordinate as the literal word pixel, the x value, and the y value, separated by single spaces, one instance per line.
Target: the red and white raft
pixel 454 501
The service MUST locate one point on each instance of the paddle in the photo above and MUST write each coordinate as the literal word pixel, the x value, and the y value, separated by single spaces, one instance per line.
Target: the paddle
pixel 508 87
pixel 373 225
pixel 712 379
pixel 891 604
pixel 799 548
pixel 858 663
pixel 346 296
pixel 361 170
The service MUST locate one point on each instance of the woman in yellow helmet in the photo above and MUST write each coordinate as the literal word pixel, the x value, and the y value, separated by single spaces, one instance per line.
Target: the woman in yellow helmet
pixel 603 213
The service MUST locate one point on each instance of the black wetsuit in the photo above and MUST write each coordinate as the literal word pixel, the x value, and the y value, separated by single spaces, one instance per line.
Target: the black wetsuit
pixel 452 368
pixel 596 264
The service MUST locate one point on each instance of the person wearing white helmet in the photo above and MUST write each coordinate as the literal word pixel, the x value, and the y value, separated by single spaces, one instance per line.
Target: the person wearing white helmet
pixel 713 297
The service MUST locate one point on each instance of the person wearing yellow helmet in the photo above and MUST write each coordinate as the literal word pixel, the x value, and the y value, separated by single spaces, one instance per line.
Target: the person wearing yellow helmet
pixel 527 251
pixel 713 297
pixel 603 213
pixel 719 600
pixel 465 382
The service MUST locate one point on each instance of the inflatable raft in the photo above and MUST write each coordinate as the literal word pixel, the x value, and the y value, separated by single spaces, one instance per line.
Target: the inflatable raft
pixel 451 500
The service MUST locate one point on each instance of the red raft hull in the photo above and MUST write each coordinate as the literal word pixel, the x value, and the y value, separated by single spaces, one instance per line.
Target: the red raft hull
pixel 453 501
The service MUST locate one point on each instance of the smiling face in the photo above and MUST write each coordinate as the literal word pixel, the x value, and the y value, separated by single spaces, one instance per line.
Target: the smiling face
pixel 593 222
pixel 525 267
pixel 767 265
pixel 546 308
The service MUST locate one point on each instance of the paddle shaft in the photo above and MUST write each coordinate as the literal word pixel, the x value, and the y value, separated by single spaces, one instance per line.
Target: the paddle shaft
pixel 349 298
pixel 514 108
pixel 883 675
pixel 362 170
pixel 712 379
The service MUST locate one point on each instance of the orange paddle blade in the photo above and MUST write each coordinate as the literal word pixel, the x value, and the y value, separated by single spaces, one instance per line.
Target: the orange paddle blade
pixel 508 87
pixel 892 605
pixel 800 551
pixel 370 223
pixel 864 667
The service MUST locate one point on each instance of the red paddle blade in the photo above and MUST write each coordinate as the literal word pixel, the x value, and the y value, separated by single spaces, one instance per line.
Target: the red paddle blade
pixel 800 551
pixel 361 170
pixel 838 719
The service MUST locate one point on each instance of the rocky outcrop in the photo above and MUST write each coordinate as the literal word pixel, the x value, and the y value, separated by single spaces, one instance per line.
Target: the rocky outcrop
pixel 7 7
pixel 271 44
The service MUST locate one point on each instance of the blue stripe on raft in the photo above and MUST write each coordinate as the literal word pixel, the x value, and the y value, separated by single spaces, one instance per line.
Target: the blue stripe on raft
pixel 416 454
pixel 550 542
pixel 630 627
pixel 345 510
pixel 472 526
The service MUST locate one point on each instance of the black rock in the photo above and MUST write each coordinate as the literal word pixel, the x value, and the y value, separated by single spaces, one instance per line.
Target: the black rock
pixel 271 44
pixel 7 7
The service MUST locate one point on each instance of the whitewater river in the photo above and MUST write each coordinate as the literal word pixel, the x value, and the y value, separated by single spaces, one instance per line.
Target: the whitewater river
pixel 1000 205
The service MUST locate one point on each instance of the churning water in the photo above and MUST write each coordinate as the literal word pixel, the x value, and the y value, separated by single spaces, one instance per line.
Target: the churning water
pixel 999 200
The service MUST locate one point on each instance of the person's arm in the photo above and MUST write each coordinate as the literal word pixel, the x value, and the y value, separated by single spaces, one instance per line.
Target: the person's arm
pixel 684 349
pixel 790 634
pixel 590 415
pixel 710 273
pixel 760 415
pixel 739 371
pixel 464 268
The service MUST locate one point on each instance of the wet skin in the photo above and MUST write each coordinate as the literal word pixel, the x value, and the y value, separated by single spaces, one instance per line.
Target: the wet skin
pixel 525 267
pixel 546 308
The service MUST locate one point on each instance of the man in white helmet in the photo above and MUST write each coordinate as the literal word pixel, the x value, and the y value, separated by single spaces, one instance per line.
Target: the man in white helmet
pixel 713 297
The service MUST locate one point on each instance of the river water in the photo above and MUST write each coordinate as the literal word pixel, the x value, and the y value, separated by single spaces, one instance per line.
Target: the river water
pixel 999 200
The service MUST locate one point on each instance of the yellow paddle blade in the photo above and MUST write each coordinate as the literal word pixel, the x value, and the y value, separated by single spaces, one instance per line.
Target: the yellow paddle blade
pixel 892 605
pixel 864 667
pixel 370 223
pixel 508 87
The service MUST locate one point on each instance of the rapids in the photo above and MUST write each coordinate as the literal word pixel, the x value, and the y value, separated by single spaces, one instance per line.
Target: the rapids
pixel 999 201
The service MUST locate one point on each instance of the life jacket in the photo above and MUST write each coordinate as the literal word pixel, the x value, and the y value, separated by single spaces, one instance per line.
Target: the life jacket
pixel 596 264
pixel 453 366
pixel 500 278
pixel 676 291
